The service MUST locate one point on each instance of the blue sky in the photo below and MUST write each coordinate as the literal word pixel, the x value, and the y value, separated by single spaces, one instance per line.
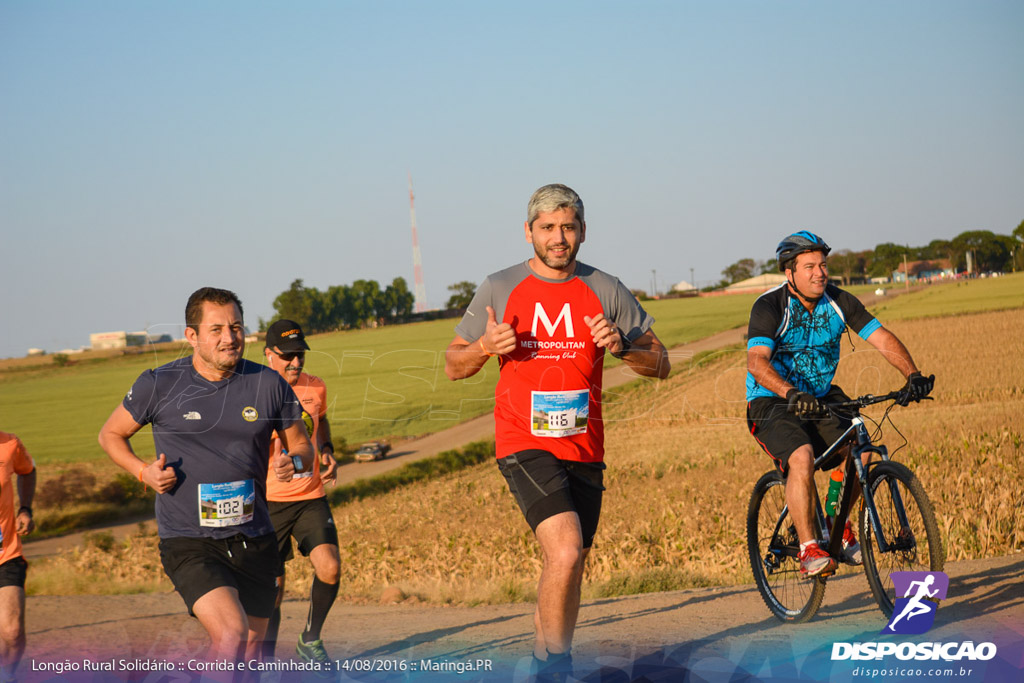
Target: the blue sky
pixel 148 149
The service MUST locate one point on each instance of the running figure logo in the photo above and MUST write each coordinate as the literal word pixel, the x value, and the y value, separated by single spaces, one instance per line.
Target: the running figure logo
pixel 914 613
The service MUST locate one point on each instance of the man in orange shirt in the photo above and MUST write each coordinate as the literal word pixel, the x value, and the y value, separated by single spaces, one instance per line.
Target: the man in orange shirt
pixel 299 508
pixel 14 459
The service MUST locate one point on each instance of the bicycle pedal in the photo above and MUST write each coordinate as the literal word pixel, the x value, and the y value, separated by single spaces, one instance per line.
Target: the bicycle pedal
pixel 824 574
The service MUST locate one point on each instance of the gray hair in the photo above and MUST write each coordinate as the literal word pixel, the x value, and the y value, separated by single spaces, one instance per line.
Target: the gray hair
pixel 552 198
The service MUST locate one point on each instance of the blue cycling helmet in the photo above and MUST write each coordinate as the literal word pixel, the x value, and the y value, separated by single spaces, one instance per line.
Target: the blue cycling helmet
pixel 798 243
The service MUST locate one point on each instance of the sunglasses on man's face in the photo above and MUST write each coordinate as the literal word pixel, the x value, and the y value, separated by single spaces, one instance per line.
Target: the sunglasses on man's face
pixel 289 357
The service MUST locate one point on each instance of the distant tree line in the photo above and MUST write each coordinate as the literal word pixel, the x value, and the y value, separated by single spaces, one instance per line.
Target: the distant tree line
pixel 462 295
pixel 991 252
pixel 342 307
pixel 745 269
pixel 363 302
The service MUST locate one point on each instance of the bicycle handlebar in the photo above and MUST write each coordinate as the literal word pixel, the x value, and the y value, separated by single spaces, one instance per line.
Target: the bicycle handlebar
pixel 868 400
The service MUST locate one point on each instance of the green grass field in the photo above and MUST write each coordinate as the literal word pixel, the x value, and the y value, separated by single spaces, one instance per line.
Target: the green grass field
pixel 58 412
pixel 954 298
pixel 681 321
pixel 385 382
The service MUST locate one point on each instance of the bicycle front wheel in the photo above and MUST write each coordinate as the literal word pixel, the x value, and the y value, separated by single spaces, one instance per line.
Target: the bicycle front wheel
pixel 908 525
pixel 773 546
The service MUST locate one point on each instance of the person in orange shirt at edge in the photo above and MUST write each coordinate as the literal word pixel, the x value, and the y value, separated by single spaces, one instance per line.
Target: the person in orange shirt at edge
pixel 550 320
pixel 299 508
pixel 14 459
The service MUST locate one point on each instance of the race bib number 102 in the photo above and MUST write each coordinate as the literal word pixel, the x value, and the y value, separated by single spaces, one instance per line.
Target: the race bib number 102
pixel 228 504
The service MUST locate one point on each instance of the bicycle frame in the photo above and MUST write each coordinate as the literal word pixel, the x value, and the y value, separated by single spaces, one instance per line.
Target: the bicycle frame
pixel 854 468
pixel 896 525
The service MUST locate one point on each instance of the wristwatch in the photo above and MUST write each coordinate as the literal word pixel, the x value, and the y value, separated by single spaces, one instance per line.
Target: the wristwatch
pixel 626 345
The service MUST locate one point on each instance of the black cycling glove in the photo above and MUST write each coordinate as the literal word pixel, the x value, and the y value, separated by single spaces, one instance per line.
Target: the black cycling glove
pixel 802 404
pixel 918 386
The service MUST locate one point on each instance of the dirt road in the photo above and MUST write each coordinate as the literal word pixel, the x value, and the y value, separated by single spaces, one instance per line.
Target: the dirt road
pixel 716 634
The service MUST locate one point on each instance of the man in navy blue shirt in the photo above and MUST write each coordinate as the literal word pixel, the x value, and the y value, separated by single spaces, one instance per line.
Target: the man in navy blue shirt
pixel 213 415
pixel 792 352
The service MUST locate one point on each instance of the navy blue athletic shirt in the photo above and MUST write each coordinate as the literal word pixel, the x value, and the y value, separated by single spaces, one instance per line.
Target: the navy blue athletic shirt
pixel 804 344
pixel 217 434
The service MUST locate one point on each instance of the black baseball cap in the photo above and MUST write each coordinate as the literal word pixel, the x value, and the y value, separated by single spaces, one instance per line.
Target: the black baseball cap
pixel 286 336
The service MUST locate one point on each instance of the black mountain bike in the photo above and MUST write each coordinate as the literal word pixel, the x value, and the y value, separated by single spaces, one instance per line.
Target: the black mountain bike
pixel 896 524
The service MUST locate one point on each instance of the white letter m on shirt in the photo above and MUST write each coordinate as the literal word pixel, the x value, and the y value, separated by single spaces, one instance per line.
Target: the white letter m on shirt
pixel 539 315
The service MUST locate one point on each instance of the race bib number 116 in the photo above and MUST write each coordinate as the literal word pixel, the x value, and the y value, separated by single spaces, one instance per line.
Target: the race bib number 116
pixel 559 413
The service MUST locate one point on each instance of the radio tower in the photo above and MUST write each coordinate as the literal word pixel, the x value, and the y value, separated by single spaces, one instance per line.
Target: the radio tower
pixel 417 260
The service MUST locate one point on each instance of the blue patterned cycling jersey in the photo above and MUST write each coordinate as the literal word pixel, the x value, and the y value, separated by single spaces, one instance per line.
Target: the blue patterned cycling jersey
pixel 804 344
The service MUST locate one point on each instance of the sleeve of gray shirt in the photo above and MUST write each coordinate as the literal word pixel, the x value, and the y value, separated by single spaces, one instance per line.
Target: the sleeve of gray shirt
pixel 619 304
pixel 474 322
pixel 630 316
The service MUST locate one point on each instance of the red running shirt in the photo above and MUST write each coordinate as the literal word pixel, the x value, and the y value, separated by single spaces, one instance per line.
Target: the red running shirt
pixel 549 392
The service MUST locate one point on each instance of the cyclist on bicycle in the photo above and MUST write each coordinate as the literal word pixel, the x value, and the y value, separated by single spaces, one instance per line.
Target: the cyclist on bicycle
pixel 793 343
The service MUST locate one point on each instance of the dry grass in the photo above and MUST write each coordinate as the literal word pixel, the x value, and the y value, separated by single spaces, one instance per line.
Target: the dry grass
pixel 102 566
pixel 72 497
pixel 681 468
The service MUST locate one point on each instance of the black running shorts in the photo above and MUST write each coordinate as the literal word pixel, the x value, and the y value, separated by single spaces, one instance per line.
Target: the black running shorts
pixel 12 572
pixel 780 432
pixel 309 521
pixel 251 566
pixel 545 486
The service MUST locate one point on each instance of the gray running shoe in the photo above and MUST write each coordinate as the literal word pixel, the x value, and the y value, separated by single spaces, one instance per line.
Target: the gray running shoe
pixel 314 652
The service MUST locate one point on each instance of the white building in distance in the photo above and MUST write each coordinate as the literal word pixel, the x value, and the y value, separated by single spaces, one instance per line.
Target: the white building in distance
pixel 116 340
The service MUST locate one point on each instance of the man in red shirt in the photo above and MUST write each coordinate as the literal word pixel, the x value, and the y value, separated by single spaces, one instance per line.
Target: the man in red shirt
pixel 14 459
pixel 549 321
pixel 299 508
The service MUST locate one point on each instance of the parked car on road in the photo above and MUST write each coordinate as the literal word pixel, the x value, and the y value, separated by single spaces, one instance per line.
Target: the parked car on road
pixel 373 450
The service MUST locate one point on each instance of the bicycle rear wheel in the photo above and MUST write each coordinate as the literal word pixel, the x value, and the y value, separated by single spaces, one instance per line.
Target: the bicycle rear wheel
pixel 773 548
pixel 908 525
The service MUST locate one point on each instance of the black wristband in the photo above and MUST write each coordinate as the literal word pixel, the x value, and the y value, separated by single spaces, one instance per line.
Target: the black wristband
pixel 25 508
